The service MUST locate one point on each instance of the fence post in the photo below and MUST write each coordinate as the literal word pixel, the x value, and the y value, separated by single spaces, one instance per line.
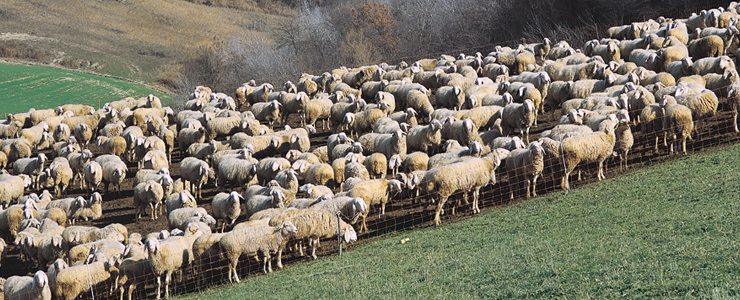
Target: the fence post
pixel 596 25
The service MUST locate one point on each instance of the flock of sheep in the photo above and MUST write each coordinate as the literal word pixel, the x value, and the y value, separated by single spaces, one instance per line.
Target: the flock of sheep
pixel 436 127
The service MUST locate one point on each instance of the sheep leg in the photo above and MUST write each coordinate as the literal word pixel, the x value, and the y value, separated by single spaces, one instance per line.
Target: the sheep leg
pixel 280 258
pixel 476 197
pixel 437 220
pixel 313 244
pixel 159 287
pixel 167 284
pixel 734 120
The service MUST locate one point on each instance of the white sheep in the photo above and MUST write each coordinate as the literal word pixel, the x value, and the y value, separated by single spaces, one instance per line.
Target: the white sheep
pixel 179 200
pixel 27 287
pixel 148 193
pixel 250 241
pixel 426 138
pixel 471 174
pixel 195 172
pixel 314 191
pixel 519 116
pixel 170 255
pixel 236 171
pixel 387 144
pixel 261 202
pixel 266 111
pixel 227 207
pixel 590 148
pixel 375 191
pixel 181 217
pixel 527 163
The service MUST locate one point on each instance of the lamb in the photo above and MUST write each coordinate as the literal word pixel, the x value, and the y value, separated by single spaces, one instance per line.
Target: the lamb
pixel 471 174
pixel 195 171
pixel 170 255
pixel 624 140
pixel 527 163
pixel 249 241
pixel 373 192
pixel 27 288
pixel 30 166
pixel 595 147
pixel 677 119
pixel 518 115
pixel 226 206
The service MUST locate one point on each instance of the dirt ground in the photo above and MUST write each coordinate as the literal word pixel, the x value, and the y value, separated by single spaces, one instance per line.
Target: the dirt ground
pixel 404 212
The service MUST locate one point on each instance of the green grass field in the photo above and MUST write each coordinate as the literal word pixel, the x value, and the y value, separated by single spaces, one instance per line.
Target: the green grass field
pixel 22 87
pixel 664 232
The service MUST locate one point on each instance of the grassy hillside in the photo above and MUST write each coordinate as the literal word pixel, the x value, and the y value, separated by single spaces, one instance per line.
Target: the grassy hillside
pixel 670 231
pixel 23 87
pixel 129 39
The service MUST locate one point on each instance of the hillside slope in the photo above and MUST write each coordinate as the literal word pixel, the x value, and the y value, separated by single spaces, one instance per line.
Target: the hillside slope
pixel 129 39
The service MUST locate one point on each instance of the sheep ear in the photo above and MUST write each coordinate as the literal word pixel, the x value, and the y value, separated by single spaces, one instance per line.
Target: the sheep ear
pixel 57 241
pixel 276 166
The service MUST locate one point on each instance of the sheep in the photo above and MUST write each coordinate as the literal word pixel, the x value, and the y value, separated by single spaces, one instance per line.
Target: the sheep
pixel 33 134
pixel 30 166
pixel 321 174
pixel 419 101
pixel 518 115
pixel 707 46
pixel 93 175
pixel 71 206
pixel 195 171
pixel 463 131
pixel 441 159
pixel 17 148
pixel 27 288
pixel 268 168
pixel 114 146
pixel 187 137
pixel 10 220
pixel 314 191
pixel 623 32
pixel 77 162
pixel 249 241
pixel 702 105
pixel 179 200
pixel 10 130
pixel 733 97
pixel 83 133
pixel 150 193
pixel 452 97
pixel 12 188
pixel 114 172
pixel 589 148
pixel 677 119
pixel 266 111
pixel 224 126
pixel 362 121
pixel 170 255
pixel 314 224
pixel 258 203
pixel 584 88
pixel 527 163
pixel 377 165
pixel 182 217
pixel 387 144
pixel 226 206
pixel 375 191
pixel 713 65
pixel 720 82
pixel 471 174
pixel 140 115
pixel 236 171
pixel 288 179
pixel 425 138
pixel 577 72
pixel 61 132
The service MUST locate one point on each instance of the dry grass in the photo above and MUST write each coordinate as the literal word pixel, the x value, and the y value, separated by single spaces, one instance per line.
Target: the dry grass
pixel 131 39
